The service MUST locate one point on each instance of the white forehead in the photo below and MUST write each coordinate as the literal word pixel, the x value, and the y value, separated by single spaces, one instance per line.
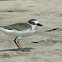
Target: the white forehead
pixel 35 22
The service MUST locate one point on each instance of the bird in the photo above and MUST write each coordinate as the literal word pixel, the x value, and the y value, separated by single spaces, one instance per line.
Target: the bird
pixel 21 29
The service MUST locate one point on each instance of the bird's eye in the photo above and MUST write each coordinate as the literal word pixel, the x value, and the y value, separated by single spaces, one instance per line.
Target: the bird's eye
pixel 33 23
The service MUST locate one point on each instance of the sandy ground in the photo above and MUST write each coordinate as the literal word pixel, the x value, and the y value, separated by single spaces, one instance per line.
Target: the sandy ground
pixel 49 44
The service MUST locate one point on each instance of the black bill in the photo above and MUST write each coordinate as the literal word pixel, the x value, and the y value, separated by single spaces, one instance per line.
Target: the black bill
pixel 39 24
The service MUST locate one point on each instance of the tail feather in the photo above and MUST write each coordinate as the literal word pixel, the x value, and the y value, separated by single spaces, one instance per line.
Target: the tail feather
pixel 2 29
pixel 5 30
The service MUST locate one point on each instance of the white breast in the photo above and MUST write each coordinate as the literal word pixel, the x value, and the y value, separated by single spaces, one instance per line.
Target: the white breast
pixel 24 32
pixel 17 33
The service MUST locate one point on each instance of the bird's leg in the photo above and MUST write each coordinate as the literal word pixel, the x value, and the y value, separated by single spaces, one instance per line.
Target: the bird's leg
pixel 16 43
pixel 20 45
pixel 22 49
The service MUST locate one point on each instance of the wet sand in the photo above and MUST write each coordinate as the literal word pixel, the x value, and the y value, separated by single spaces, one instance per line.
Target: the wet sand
pixel 44 46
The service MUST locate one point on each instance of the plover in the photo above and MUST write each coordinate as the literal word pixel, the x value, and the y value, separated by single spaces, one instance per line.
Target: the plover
pixel 21 29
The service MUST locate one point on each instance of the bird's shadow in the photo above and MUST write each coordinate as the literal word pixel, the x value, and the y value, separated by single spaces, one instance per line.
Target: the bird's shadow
pixel 15 49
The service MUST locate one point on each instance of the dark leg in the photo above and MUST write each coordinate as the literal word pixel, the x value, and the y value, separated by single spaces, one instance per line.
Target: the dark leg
pixel 16 43
pixel 20 45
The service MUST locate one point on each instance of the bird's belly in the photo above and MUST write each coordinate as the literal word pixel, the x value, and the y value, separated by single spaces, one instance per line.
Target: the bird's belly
pixel 27 32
